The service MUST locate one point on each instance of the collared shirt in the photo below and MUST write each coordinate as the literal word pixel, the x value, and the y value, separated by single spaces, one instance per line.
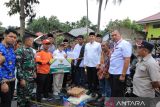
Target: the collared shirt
pixel 67 50
pixel 92 54
pixel 59 54
pixel 8 67
pixel 147 71
pixel 121 50
pixel 70 54
pixel 76 51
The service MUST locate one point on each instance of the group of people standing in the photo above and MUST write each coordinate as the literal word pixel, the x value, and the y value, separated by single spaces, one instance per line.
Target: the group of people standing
pixel 101 67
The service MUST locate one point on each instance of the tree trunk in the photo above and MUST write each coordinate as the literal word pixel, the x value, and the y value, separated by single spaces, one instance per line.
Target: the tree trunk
pixel 87 17
pixel 22 18
pixel 99 15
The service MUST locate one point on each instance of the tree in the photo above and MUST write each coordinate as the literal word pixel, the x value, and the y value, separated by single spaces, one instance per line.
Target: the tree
pixel 39 25
pixel 82 22
pixel 99 11
pixel 46 25
pixel 126 23
pixel 24 8
pixel 1 28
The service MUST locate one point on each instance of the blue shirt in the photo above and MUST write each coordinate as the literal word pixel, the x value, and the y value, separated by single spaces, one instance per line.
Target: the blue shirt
pixel 67 50
pixel 8 67
pixel 121 50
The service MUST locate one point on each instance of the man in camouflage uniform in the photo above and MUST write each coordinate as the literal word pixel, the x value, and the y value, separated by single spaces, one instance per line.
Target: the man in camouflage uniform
pixel 25 72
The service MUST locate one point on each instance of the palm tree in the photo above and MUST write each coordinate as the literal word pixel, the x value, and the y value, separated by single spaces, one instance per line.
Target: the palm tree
pixel 99 11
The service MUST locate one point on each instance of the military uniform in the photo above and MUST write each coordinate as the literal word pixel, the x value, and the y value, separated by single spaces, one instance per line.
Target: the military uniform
pixel 25 70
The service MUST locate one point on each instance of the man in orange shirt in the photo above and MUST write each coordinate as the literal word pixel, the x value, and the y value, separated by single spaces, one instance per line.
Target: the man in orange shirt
pixel 43 59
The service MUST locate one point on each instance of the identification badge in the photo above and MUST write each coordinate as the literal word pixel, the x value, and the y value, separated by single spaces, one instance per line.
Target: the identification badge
pixel 10 62
pixel 10 74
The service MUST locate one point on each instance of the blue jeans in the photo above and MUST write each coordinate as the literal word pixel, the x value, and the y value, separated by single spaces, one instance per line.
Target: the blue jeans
pixel 80 77
pixel 105 88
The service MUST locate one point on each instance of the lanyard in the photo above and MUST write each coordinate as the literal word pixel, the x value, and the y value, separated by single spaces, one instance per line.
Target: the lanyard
pixel 116 44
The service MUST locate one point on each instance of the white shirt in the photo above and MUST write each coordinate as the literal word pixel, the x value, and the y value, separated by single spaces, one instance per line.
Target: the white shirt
pixel 76 52
pixel 121 50
pixel 70 54
pixel 92 54
pixel 58 54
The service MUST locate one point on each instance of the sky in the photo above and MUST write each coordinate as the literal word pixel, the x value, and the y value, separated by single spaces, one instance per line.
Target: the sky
pixel 73 10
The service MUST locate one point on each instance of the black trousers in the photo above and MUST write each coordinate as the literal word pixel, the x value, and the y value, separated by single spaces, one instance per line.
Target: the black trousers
pixel 65 80
pixel 50 87
pixel 6 98
pixel 117 87
pixel 80 76
pixel 42 86
pixel 92 79
pixel 73 73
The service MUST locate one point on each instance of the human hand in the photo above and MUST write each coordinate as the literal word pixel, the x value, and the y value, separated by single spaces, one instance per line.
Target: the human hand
pixel 51 61
pixel 155 84
pixel 4 87
pixel 122 77
pixel 2 59
pixel 98 66
pixel 23 83
pixel 34 75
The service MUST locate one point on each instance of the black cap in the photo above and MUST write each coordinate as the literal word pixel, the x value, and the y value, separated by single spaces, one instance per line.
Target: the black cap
pixel 146 45
pixel 92 33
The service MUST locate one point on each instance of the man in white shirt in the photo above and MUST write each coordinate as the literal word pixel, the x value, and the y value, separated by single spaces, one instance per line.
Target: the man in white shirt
pixel 119 64
pixel 80 77
pixel 58 77
pixel 92 54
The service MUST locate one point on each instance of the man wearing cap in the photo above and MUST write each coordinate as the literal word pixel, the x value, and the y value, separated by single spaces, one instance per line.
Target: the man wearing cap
pixel 43 59
pixel 147 74
pixel 58 77
pixel 99 38
pixel 25 71
pixel 92 55
pixel 119 64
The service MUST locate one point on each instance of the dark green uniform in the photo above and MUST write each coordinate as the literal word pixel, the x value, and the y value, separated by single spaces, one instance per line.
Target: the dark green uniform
pixel 25 70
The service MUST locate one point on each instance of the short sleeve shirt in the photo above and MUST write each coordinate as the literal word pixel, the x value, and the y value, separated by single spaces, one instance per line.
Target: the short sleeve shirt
pixel 121 50
pixel 146 71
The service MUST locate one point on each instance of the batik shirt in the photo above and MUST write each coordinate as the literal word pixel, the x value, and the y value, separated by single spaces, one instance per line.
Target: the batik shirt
pixel 25 63
pixel 8 67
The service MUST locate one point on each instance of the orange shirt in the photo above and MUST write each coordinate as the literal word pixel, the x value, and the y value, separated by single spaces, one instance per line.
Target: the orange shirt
pixel 44 58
